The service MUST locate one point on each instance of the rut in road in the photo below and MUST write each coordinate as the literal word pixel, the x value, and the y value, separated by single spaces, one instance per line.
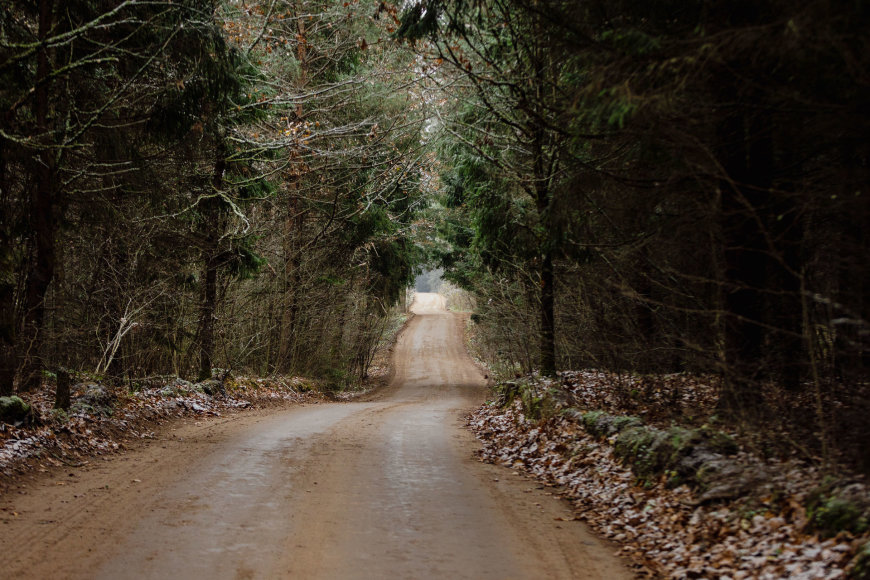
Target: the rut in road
pixel 384 488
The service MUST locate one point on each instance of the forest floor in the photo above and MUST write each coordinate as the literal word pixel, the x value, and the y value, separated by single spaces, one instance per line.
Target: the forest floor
pixel 106 421
pixel 757 517
pixel 123 421
pixel 385 485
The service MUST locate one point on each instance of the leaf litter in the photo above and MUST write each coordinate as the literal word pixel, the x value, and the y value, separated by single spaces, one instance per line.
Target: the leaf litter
pixel 86 430
pixel 666 532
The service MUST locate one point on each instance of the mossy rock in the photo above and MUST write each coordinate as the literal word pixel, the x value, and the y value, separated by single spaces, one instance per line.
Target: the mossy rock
pixel 304 387
pixel 831 510
pixel 696 457
pixel 635 442
pixel 621 423
pixel 657 452
pixel 211 387
pixel 96 400
pixel 15 411
pixel 686 455
pixel 652 458
pixel 507 393
pixel 719 442
pixel 180 385
pixel 838 514
pixel 590 421
pixel 859 567
pixel 600 424
pixel 668 449
pixel 532 404
pixel 535 406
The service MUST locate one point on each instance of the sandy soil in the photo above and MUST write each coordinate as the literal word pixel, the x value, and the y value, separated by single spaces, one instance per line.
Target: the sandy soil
pixel 381 488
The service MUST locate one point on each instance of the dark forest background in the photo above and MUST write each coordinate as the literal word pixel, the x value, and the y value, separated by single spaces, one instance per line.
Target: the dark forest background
pixel 666 187
pixel 640 187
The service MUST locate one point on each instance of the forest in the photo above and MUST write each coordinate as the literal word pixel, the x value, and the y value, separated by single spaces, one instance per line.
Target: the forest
pixel 649 219
pixel 665 187
pixel 193 187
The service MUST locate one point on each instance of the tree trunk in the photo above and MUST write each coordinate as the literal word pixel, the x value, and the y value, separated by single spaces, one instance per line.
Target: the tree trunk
pixel 7 336
pixel 291 302
pixel 788 347
pixel 42 222
pixel 293 225
pixel 548 332
pixel 7 293
pixel 745 156
pixel 7 285
pixel 62 394
pixel 788 227
pixel 208 306
pixel 206 319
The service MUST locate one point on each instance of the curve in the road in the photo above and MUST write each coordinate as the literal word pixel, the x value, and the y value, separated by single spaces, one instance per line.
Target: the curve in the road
pixel 386 488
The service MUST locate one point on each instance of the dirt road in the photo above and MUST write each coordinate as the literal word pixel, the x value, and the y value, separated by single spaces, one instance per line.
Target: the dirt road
pixel 384 488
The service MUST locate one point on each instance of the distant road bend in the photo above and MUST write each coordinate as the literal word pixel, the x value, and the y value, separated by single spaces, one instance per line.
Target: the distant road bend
pixel 382 488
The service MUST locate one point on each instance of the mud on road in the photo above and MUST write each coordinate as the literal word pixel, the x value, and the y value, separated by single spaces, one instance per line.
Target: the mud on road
pixel 387 487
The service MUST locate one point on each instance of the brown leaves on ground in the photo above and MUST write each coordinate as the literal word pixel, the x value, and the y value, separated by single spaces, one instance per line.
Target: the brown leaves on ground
pixel 70 438
pixel 666 532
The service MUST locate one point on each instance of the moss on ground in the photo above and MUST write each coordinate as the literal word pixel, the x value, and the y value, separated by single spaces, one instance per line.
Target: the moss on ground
pixel 600 424
pixel 14 410
pixel 536 405
pixel 652 452
pixel 832 509
pixel 859 568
